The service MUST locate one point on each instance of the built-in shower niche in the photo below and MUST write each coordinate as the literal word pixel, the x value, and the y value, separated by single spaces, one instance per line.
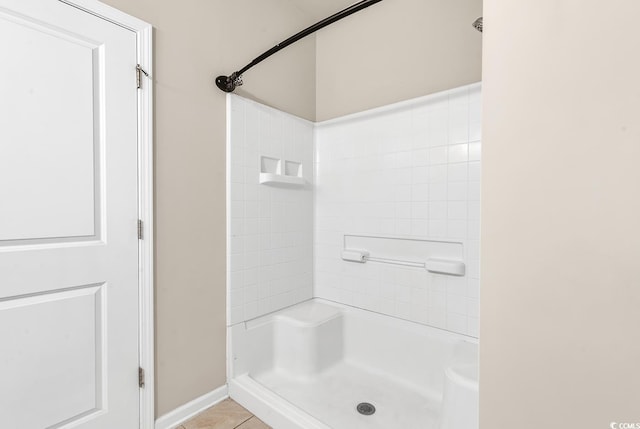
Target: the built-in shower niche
pixel 274 171
pixel 293 169
pixel 270 165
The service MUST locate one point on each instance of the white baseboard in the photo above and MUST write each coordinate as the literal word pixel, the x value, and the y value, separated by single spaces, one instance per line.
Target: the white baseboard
pixel 190 409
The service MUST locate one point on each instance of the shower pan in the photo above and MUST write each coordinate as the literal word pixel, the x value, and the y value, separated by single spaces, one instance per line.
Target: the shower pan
pixel 322 365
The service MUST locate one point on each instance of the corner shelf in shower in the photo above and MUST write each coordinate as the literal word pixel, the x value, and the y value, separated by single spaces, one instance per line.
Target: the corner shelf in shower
pixel 281 179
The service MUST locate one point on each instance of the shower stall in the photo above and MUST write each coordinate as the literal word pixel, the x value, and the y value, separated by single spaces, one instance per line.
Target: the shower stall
pixel 353 268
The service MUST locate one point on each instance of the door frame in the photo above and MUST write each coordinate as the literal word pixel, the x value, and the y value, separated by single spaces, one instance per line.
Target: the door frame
pixel 144 52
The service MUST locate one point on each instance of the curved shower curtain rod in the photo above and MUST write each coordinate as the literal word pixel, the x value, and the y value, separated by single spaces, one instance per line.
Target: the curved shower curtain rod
pixel 229 83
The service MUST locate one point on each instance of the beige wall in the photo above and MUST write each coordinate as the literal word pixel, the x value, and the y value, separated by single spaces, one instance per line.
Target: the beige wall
pixel 196 40
pixel 396 50
pixel 560 187
pixel 560 302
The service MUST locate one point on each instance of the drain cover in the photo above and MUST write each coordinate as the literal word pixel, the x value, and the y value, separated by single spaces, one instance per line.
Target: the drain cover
pixel 366 408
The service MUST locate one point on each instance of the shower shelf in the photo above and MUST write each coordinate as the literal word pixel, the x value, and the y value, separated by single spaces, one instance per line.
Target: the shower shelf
pixel 281 179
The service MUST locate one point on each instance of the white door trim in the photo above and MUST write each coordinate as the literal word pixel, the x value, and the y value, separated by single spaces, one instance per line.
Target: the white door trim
pixel 145 248
pixel 144 33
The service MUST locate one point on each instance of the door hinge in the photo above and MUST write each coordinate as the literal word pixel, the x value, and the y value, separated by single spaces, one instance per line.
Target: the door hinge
pixel 139 72
pixel 140 377
pixel 140 230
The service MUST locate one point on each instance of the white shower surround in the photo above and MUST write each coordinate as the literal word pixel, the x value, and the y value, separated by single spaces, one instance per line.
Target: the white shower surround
pixel 270 227
pixel 408 170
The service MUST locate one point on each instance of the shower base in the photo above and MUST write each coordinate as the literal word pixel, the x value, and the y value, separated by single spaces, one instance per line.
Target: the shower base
pixel 309 366
pixel 333 396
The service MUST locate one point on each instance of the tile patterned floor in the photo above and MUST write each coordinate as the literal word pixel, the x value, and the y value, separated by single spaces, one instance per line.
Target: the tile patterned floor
pixel 227 414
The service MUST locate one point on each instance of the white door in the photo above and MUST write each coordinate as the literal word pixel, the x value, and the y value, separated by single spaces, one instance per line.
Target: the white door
pixel 68 213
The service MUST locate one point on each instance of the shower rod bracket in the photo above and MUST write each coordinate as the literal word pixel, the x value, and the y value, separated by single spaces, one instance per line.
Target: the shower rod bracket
pixel 229 83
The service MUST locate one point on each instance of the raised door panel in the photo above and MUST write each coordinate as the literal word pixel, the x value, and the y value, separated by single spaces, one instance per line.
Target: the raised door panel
pixel 50 84
pixel 53 357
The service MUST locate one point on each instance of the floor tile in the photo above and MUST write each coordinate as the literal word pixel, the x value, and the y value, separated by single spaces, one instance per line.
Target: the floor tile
pixel 254 423
pixel 225 415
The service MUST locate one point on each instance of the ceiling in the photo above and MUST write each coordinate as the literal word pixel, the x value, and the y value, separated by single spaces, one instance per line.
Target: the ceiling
pixel 319 9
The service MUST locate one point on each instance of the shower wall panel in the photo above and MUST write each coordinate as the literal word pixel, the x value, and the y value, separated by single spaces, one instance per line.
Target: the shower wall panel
pixel 270 242
pixel 410 170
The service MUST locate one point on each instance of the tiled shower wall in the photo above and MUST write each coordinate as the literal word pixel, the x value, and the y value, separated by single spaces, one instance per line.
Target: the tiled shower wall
pixel 408 170
pixel 270 227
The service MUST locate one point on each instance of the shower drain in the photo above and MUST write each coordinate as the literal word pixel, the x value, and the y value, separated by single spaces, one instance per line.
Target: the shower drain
pixel 366 408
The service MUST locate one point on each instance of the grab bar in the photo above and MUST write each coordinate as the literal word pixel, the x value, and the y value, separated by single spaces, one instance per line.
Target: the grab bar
pixel 433 265
pixel 396 262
